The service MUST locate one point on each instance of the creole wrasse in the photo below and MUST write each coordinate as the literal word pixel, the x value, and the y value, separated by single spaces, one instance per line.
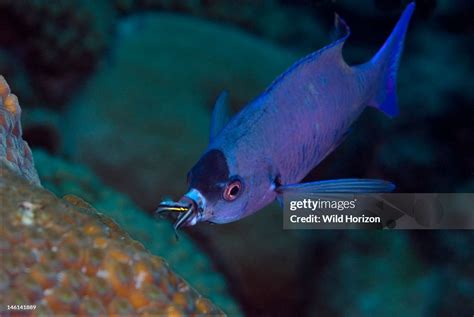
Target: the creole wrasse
pixel 268 147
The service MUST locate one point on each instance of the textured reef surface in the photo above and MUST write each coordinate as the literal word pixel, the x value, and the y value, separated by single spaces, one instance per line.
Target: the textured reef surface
pixel 64 256
pixel 14 152
pixel 186 259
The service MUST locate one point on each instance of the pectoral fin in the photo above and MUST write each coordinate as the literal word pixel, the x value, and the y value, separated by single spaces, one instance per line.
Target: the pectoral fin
pixel 348 185
pixel 220 114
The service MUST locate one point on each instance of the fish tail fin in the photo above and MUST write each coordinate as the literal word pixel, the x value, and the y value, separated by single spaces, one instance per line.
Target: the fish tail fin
pixel 384 66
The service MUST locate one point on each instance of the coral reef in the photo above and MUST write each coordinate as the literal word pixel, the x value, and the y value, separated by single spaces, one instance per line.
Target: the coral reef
pixel 68 259
pixel 154 98
pixel 63 178
pixel 68 247
pixel 13 150
pixel 64 256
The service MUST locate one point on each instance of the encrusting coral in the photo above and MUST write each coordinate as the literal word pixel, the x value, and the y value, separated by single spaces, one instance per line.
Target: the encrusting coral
pixel 13 150
pixel 65 257
pixel 71 259
pixel 186 259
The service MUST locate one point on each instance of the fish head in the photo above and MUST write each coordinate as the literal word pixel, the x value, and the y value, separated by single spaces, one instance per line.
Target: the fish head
pixel 215 195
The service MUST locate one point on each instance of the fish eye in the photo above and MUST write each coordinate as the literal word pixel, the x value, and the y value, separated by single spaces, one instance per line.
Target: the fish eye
pixel 232 190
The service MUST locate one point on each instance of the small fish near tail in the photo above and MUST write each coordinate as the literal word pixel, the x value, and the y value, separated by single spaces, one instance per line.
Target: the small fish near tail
pixel 383 67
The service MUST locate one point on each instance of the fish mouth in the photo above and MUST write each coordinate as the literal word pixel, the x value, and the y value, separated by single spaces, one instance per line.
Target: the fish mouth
pixel 190 208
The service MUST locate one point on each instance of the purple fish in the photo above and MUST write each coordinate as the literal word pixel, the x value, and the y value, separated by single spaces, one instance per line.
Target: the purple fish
pixel 271 145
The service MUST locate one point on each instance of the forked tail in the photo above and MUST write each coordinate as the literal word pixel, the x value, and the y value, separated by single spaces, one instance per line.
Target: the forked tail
pixel 382 68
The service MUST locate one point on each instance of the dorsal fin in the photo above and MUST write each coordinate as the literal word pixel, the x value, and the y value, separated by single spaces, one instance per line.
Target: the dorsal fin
pixel 342 31
pixel 220 114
